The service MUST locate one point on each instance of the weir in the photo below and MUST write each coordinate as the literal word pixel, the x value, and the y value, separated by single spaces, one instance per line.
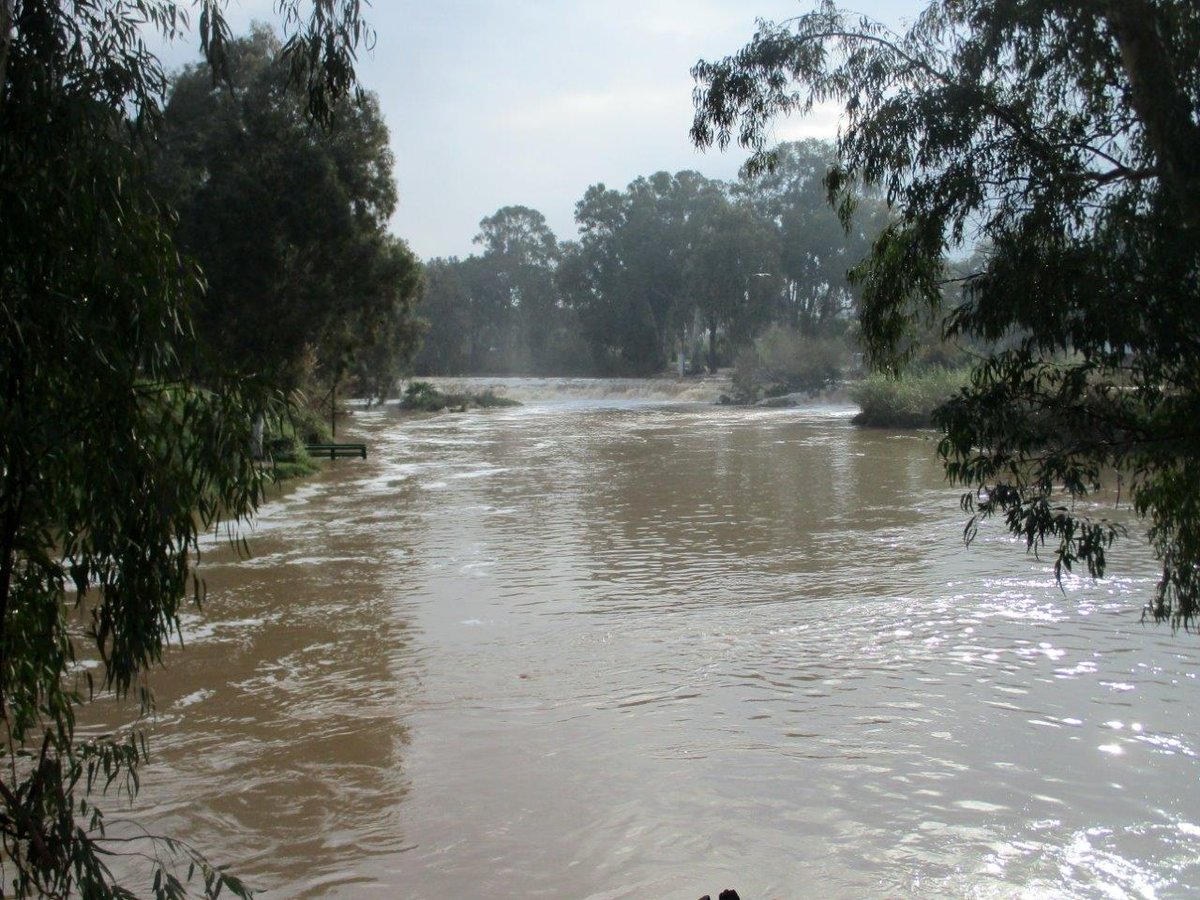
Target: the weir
pixel 702 389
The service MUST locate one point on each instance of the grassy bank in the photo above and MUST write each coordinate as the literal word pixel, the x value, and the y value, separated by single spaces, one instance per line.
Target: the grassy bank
pixel 906 402
pixel 284 441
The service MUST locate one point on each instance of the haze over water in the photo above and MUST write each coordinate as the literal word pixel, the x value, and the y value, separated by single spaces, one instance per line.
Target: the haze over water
pixel 629 648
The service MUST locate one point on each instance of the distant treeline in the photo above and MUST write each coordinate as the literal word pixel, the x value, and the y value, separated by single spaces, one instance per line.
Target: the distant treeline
pixel 305 288
pixel 673 264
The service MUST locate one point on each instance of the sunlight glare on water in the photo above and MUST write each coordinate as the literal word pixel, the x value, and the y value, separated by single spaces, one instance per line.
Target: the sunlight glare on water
pixel 613 647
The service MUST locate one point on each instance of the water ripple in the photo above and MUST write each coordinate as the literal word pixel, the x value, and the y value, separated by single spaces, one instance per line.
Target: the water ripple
pixel 610 648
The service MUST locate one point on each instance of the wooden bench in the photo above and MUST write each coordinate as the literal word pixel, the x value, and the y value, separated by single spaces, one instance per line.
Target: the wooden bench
pixel 336 451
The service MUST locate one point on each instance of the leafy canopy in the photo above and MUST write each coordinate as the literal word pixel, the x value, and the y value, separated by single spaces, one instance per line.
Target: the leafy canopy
pixel 659 267
pixel 117 446
pixel 814 254
pixel 628 274
pixel 287 220
pixel 1061 136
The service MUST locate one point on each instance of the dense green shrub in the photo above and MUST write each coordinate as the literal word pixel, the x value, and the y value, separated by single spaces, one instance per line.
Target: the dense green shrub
pixel 284 439
pixel 421 396
pixel 906 402
pixel 783 361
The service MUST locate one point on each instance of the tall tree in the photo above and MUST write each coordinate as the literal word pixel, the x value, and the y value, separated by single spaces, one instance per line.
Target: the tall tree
pixel 1065 135
pixel 447 347
pixel 815 251
pixel 378 342
pixel 520 256
pixel 628 277
pixel 288 220
pixel 614 296
pixel 112 458
pixel 731 246
pixel 656 243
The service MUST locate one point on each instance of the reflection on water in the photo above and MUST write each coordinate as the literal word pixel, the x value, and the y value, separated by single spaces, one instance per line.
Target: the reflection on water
pixel 619 649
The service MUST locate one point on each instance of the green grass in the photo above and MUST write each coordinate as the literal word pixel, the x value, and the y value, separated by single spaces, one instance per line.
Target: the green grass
pixel 285 438
pixel 905 402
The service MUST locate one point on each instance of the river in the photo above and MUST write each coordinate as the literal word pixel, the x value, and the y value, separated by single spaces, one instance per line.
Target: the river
pixel 605 647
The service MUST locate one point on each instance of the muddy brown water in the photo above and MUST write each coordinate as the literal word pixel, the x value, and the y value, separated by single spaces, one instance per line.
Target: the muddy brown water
pixel 601 648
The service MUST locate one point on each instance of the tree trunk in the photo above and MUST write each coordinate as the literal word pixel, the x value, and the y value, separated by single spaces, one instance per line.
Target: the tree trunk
pixel 712 347
pixel 15 477
pixel 1158 99
pixel 6 36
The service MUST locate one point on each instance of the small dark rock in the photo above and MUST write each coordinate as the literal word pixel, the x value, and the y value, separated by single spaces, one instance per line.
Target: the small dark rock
pixel 729 894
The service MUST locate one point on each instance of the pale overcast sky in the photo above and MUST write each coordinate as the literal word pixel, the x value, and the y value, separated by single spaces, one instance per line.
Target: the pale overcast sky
pixel 528 102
